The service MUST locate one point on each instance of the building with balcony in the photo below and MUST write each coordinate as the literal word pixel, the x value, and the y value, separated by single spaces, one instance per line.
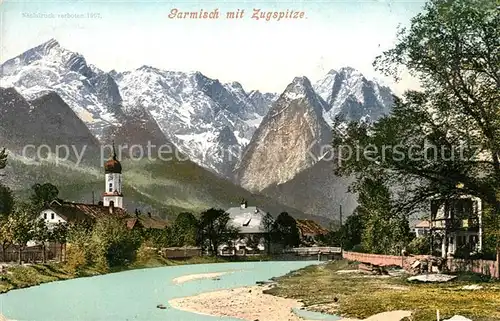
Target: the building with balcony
pixel 456 225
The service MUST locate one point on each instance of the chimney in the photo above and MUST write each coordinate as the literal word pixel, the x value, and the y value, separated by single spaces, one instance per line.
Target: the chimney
pixel 149 214
pixel 243 204
pixel 111 207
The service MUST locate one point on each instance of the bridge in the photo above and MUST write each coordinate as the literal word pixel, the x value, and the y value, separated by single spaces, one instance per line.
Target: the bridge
pixel 315 250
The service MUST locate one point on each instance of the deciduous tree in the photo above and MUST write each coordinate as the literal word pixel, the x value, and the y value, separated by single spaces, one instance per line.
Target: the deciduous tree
pixel 215 229
pixel 286 231
pixel 267 225
pixel 448 132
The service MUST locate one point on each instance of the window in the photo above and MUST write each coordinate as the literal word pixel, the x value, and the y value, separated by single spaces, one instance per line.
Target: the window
pixel 51 216
pixel 45 216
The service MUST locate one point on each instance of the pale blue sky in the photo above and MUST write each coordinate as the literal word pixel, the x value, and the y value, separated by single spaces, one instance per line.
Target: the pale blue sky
pixel 261 55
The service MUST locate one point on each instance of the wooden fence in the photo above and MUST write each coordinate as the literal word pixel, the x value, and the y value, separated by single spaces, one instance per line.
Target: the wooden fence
pixel 180 252
pixel 32 254
pixel 485 267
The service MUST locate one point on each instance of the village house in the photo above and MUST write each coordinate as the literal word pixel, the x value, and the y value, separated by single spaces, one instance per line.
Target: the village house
pixel 310 231
pixel 422 228
pixel 141 221
pixel 252 234
pixel 456 225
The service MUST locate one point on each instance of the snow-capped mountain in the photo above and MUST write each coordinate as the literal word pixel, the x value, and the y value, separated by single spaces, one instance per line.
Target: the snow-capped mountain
pixel 289 139
pixel 207 120
pixel 352 96
pixel 91 93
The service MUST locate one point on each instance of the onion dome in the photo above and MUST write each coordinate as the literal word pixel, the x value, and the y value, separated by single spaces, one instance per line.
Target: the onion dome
pixel 113 165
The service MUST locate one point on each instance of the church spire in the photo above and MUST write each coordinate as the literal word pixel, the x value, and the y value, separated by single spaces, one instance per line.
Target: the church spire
pixel 113 156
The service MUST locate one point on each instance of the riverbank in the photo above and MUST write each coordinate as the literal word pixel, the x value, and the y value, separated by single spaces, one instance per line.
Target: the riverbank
pixel 252 303
pixel 337 288
pixel 246 303
pixel 18 277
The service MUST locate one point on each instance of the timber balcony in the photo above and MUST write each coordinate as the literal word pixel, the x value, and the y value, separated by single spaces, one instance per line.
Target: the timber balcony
pixel 469 224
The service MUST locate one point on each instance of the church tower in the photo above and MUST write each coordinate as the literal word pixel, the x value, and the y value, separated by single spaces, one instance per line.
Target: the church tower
pixel 113 187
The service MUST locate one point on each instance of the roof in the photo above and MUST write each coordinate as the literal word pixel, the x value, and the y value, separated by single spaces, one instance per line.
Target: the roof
pixel 310 227
pixel 248 219
pixel 423 224
pixel 152 222
pixel 72 212
pixel 112 166
pixel 132 222
pixel 79 211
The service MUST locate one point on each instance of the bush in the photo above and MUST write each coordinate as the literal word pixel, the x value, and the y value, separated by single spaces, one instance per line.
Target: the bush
pixel 76 259
pixel 420 246
pixel 358 248
pixel 78 253
pixel 113 244
pixel 108 244
pixel 145 253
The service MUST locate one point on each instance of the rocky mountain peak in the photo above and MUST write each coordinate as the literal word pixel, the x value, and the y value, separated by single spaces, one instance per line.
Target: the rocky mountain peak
pixel 350 95
pixel 288 140
pixel 47 46
pixel 91 93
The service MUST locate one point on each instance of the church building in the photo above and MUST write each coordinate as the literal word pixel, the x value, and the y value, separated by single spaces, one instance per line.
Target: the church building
pixel 112 200
pixel 111 205
pixel 113 180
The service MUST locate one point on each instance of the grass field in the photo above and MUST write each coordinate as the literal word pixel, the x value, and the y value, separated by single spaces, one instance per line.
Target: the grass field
pixel 324 289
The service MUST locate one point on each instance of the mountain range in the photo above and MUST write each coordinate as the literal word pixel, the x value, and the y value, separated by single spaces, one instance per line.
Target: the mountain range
pixel 267 143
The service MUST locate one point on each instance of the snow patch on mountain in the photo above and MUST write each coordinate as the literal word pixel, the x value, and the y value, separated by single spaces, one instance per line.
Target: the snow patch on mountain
pixel 351 96
pixel 49 67
pixel 207 120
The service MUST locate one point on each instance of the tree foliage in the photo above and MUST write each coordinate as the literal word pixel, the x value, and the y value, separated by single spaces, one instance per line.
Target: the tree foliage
pixel 349 234
pixel 79 252
pixel 112 243
pixel 185 229
pixel 449 132
pixel 384 231
pixel 285 230
pixel 215 229
pixel 43 193
pixel 21 223
pixel 6 201
pixel 267 225
pixel 3 158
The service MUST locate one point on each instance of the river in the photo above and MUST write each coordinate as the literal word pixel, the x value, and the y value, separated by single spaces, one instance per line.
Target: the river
pixel 135 294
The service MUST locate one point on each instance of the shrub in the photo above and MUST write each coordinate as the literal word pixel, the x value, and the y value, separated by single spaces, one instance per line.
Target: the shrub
pixel 145 253
pixel 113 244
pixel 78 253
pixel 76 258
pixel 420 245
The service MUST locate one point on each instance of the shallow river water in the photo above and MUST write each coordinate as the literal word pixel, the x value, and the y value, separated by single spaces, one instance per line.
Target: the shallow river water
pixel 133 295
